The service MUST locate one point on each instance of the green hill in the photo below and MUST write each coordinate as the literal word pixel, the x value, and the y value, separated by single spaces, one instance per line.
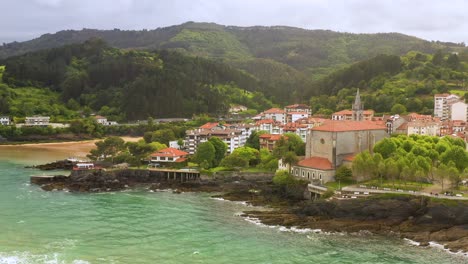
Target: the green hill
pixel 134 84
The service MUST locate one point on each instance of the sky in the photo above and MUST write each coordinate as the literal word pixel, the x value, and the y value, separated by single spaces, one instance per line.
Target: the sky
pixel 428 19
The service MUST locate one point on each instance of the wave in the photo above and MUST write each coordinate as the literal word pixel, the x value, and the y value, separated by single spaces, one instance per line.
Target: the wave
pixel 29 258
pixel 436 245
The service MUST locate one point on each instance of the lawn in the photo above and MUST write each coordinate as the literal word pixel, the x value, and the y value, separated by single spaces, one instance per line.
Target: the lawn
pixel 337 185
pixel 460 93
pixel 402 185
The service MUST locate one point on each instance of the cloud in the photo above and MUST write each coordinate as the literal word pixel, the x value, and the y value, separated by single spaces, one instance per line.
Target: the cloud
pixel 430 19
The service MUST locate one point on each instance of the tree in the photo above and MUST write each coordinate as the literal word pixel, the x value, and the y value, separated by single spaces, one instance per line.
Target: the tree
pixel 250 154
pixel 205 154
pixel 140 150
pixel 398 109
pixel 453 61
pixel 457 155
pixel 386 147
pixel 253 141
pixel 438 58
pixel 343 174
pixel 295 143
pixel 290 158
pixel 163 136
pixel 234 161
pixel 220 150
pixel 110 147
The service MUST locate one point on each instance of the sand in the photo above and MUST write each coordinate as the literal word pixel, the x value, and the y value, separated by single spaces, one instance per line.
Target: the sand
pixel 78 149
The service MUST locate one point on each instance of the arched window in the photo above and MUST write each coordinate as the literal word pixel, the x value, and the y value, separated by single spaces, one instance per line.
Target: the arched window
pixel 303 173
pixel 308 175
pixel 313 175
pixel 320 176
pixel 297 172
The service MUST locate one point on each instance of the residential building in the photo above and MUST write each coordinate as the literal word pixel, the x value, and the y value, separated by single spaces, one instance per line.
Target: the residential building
pixel 458 111
pixel 168 156
pixel 276 114
pixel 234 136
pixel 428 128
pixel 5 120
pixel 443 103
pixel 268 141
pixel 330 144
pixel 103 121
pixel 37 121
pixel 393 122
pixel 298 129
pixel 349 115
pixel 296 111
pixel 234 109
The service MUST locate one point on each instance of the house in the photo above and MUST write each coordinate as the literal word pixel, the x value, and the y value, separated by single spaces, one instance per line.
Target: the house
pixel 348 115
pixel 330 145
pixel 298 129
pixel 234 109
pixel 85 166
pixel 37 121
pixel 296 111
pixel 268 141
pixel 168 156
pixel 276 114
pixel 270 126
pixel 103 121
pixel 5 120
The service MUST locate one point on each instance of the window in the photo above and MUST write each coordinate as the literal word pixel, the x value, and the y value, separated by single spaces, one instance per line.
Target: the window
pixel 313 175
pixel 320 176
pixel 308 175
pixel 297 172
pixel 303 173
pixel 322 141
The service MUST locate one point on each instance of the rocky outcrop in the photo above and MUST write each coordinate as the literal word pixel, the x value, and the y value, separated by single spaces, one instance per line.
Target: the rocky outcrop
pixel 56 165
pixel 415 218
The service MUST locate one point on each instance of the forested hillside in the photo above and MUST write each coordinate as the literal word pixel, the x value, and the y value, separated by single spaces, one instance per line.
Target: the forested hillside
pixel 133 84
pixel 392 84
pixel 286 59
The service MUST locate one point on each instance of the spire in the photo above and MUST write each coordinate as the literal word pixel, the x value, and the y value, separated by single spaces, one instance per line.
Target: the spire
pixel 358 108
pixel 357 102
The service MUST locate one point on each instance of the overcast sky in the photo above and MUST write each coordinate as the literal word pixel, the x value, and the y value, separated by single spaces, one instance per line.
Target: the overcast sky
pixel 429 19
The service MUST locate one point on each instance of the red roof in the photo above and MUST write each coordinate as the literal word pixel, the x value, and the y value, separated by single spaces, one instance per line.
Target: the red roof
pixel 169 152
pixel 349 157
pixel 350 112
pixel 271 137
pixel 99 117
pixel 343 126
pixel 316 163
pixel 274 111
pixel 180 160
pixel 209 125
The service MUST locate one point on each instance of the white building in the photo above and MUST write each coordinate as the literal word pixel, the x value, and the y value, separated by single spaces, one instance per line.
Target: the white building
pixel 458 111
pixel 427 128
pixel 276 114
pixel 234 136
pixel 443 103
pixel 5 120
pixel 37 121
pixel 103 121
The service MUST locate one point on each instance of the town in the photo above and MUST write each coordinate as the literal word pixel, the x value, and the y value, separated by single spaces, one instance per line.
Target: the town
pixel 315 149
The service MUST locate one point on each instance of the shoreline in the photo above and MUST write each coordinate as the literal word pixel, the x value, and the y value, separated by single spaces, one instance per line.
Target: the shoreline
pixel 416 218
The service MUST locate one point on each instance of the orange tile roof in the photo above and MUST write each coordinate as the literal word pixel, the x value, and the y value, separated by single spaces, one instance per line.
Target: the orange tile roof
pixel 274 111
pixel 350 112
pixel 271 137
pixel 349 157
pixel 209 125
pixel 343 126
pixel 169 152
pixel 316 163
pixel 441 95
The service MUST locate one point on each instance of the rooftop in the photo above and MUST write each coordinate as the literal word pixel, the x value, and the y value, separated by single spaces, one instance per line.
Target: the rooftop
pixel 169 152
pixel 316 163
pixel 274 111
pixel 209 125
pixel 343 126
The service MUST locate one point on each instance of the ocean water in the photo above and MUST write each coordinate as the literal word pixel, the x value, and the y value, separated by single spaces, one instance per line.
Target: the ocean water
pixel 161 227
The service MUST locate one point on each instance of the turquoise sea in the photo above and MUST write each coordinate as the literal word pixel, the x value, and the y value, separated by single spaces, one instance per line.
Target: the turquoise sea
pixel 161 227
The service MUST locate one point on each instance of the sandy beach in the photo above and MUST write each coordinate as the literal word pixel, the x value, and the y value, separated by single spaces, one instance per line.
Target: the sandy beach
pixel 52 151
